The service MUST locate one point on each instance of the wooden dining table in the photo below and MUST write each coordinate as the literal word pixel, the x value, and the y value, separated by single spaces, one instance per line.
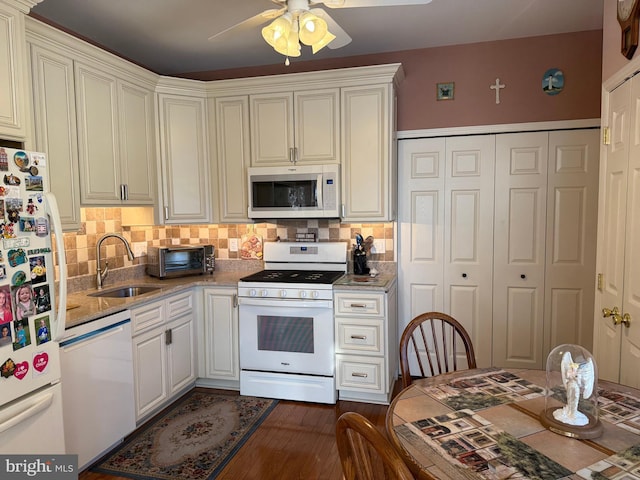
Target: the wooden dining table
pixel 484 424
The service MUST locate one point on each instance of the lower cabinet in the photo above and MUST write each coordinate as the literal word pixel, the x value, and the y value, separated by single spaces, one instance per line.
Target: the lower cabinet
pixel 164 354
pixel 366 345
pixel 219 359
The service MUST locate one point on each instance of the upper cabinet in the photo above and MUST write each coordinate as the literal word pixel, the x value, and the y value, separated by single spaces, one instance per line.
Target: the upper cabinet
pixel 14 100
pixel 94 117
pixel 184 152
pixel 368 153
pixel 295 127
pixel 116 137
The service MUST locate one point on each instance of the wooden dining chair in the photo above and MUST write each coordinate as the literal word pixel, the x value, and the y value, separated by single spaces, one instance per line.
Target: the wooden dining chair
pixel 365 453
pixel 435 336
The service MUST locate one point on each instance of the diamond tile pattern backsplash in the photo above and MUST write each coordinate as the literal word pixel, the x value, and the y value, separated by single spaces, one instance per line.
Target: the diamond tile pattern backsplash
pixel 80 246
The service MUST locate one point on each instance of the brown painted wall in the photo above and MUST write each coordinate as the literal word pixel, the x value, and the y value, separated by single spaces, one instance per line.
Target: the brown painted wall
pixel 520 65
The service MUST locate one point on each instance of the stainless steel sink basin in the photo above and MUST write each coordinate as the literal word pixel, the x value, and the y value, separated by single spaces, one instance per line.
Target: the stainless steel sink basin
pixel 123 292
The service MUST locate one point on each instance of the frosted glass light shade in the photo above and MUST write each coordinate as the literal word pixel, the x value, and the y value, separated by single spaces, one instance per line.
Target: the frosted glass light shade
pixel 312 28
pixel 290 47
pixel 278 29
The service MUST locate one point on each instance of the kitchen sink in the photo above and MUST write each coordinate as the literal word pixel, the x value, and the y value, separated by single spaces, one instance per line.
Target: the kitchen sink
pixel 123 292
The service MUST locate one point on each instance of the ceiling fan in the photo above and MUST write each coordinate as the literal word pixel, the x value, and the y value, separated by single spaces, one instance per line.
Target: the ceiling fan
pixel 296 22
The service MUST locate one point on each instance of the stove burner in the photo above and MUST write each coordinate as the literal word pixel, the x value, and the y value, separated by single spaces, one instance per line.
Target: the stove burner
pixel 294 276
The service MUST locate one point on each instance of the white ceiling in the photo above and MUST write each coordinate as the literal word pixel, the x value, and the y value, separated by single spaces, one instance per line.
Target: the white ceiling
pixel 171 36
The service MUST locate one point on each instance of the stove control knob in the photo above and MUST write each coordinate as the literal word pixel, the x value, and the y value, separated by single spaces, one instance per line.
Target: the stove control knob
pixel 264 293
pixel 303 294
pixel 252 292
pixel 315 294
pixel 283 293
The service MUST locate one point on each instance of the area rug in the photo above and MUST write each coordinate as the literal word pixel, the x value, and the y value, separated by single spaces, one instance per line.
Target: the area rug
pixel 192 441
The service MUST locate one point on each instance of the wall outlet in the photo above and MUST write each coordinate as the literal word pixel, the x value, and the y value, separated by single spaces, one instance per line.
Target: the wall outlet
pixel 378 246
pixel 233 244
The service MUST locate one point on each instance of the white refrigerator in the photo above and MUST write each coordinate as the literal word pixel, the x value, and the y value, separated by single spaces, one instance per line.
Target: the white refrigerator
pixel 32 307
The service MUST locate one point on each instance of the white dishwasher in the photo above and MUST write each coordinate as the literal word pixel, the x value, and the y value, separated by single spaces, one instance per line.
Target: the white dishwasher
pixel 97 386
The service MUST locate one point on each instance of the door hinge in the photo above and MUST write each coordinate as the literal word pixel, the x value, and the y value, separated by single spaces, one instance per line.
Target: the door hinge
pixel 606 136
pixel 600 281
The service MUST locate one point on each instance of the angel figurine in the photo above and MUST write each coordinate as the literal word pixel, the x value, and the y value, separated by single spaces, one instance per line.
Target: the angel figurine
pixel 577 378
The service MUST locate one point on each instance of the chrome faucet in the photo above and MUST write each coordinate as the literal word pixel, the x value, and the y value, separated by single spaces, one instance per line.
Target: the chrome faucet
pixel 102 274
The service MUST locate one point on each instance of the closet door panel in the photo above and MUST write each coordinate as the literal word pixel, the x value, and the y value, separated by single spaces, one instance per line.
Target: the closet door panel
pixel 468 237
pixel 420 227
pixel 571 246
pixel 519 249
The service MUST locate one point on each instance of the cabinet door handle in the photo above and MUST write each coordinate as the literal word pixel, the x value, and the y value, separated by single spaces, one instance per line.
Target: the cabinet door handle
pixel 358 305
pixel 342 210
pixel 359 337
pixel 291 155
pixel 235 300
pixel 464 275
pixel 167 337
pixel 523 276
pixel 358 374
pixel 166 213
pixel 123 191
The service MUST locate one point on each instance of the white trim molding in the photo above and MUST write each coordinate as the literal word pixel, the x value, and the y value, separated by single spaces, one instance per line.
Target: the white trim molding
pixel 504 128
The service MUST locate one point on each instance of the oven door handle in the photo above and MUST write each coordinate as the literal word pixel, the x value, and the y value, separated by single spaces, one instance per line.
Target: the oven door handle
pixel 294 303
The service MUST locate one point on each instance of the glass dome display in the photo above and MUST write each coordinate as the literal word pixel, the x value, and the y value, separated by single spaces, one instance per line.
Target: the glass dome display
pixel 571 394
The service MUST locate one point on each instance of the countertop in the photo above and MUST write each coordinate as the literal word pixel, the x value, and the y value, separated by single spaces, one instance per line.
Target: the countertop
pixel 83 308
pixel 381 282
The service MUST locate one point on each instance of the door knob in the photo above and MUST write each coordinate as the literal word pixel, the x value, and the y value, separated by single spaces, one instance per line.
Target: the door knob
pixel 617 318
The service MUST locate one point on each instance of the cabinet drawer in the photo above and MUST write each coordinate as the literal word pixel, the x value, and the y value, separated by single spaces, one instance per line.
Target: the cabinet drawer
pixel 354 335
pixel 147 316
pixel 360 373
pixel 179 304
pixel 361 305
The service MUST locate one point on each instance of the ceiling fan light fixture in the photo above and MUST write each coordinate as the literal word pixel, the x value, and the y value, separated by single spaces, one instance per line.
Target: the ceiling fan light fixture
pixel 289 47
pixel 326 40
pixel 278 29
pixel 312 28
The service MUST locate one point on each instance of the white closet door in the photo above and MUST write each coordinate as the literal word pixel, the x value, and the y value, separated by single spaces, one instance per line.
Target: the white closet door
pixel 611 239
pixel 468 238
pixel 519 249
pixel 446 233
pixel 630 351
pixel 572 200
pixel 421 164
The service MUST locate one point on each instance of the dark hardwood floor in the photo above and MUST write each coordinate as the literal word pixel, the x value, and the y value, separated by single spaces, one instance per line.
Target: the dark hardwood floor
pixel 296 441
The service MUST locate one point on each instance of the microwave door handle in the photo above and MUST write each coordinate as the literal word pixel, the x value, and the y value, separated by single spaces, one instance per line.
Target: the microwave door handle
pixel 319 191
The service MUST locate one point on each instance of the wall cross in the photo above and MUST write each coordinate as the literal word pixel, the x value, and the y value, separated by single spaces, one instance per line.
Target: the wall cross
pixel 497 87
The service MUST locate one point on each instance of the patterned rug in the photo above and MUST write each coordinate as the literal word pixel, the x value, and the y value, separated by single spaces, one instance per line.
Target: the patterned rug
pixel 193 441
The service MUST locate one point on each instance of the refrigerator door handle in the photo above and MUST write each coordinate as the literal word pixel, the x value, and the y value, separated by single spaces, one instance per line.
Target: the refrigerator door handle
pixel 12 419
pixel 54 216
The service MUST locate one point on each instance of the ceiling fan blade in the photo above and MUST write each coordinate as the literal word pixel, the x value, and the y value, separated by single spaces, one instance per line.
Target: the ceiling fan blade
pixel 371 3
pixel 253 22
pixel 342 37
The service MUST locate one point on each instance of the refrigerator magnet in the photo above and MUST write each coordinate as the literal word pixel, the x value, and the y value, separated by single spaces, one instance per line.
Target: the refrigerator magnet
pixel 18 278
pixel 7 368
pixel 33 183
pixel 11 180
pixel 42 227
pixel 40 362
pixel 27 224
pixel 21 370
pixel 17 257
pixel 21 159
pixel 44 330
pixel 21 333
pixel 5 334
pixel 4 160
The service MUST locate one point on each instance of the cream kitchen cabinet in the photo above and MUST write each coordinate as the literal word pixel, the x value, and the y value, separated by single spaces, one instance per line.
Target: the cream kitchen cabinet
pixel 184 154
pixel 368 153
pixel 366 344
pixel 55 126
pixel 229 123
pixel 300 127
pixel 164 351
pixel 116 138
pixel 219 356
pixel 14 93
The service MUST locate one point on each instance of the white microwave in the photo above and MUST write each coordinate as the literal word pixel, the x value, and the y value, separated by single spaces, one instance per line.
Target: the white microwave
pixel 309 191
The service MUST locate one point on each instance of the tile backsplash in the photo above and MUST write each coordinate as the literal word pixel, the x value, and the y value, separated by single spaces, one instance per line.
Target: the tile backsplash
pixel 80 246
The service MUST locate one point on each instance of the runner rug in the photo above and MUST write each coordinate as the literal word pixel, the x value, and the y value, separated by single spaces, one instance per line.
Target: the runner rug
pixel 194 440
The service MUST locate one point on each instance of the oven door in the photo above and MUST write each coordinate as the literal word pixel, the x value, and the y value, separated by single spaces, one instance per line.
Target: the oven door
pixel 289 336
